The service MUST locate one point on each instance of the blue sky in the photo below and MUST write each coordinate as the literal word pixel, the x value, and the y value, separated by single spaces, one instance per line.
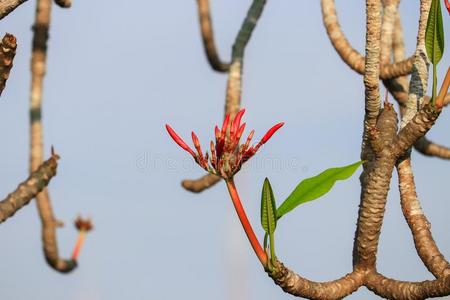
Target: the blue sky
pixel 117 72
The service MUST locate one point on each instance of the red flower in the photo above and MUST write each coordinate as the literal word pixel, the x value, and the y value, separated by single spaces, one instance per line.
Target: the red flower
pixel 447 4
pixel 227 155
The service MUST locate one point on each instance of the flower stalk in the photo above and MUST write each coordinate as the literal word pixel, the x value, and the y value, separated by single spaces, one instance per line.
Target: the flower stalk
pixel 83 226
pixel 259 251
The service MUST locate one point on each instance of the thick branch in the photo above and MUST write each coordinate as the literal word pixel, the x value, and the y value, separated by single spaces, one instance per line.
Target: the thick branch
pixel 417 221
pixel 399 87
pixel 387 29
pixel 38 62
pixel 427 147
pixel 208 37
pixel 419 77
pixel 377 171
pixel 7 52
pixel 348 54
pixel 405 290
pixel 416 128
pixel 28 189
pixel 296 285
pixel 7 6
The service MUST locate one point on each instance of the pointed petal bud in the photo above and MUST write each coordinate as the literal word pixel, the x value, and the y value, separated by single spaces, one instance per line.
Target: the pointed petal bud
pixel 236 122
pixel 179 141
pixel 213 154
pixel 240 131
pixel 270 132
pixel 224 126
pixel 201 159
pixel 238 135
pixel 247 142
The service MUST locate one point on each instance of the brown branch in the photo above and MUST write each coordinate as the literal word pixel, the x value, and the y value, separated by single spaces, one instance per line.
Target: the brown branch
pixel 8 47
pixel 429 148
pixel 28 189
pixel 387 29
pixel 405 290
pixel 38 65
pixel 416 128
pixel 399 87
pixel 7 6
pixel 296 285
pixel 208 37
pixel 201 184
pixel 234 84
pixel 351 56
pixel 422 145
pixel 417 221
pixel 377 172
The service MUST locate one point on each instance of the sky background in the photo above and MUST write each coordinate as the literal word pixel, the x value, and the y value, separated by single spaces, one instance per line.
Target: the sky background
pixel 119 71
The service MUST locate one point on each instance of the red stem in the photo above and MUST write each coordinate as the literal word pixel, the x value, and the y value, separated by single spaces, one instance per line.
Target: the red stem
pixel 79 243
pixel 262 256
pixel 444 90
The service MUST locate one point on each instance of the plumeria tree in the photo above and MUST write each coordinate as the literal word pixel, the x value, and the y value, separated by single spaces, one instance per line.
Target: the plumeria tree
pixel 391 129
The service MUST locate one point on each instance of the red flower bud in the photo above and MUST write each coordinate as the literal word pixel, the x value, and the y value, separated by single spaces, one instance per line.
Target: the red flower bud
pixel 270 132
pixel 179 141
pixel 224 126
pixel 236 122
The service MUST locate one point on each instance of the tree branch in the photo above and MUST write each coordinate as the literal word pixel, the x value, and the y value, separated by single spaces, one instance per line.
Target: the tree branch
pixel 7 6
pixel 28 189
pixel 416 128
pixel 296 285
pixel 38 65
pixel 208 37
pixel 405 290
pixel 418 223
pixel 429 148
pixel 348 54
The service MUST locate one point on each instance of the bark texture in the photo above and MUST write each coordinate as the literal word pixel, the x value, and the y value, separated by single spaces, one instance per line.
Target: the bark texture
pixel 7 6
pixel 418 223
pixel 28 189
pixel 7 52
pixel 296 285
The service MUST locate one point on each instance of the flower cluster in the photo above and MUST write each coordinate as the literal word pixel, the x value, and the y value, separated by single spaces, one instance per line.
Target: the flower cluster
pixel 227 155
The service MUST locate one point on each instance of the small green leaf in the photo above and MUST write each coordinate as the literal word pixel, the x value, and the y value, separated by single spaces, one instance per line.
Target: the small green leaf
pixel 434 34
pixel 312 188
pixel 268 208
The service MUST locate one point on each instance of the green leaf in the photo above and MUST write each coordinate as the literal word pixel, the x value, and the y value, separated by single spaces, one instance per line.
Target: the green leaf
pixel 434 34
pixel 268 208
pixel 312 188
